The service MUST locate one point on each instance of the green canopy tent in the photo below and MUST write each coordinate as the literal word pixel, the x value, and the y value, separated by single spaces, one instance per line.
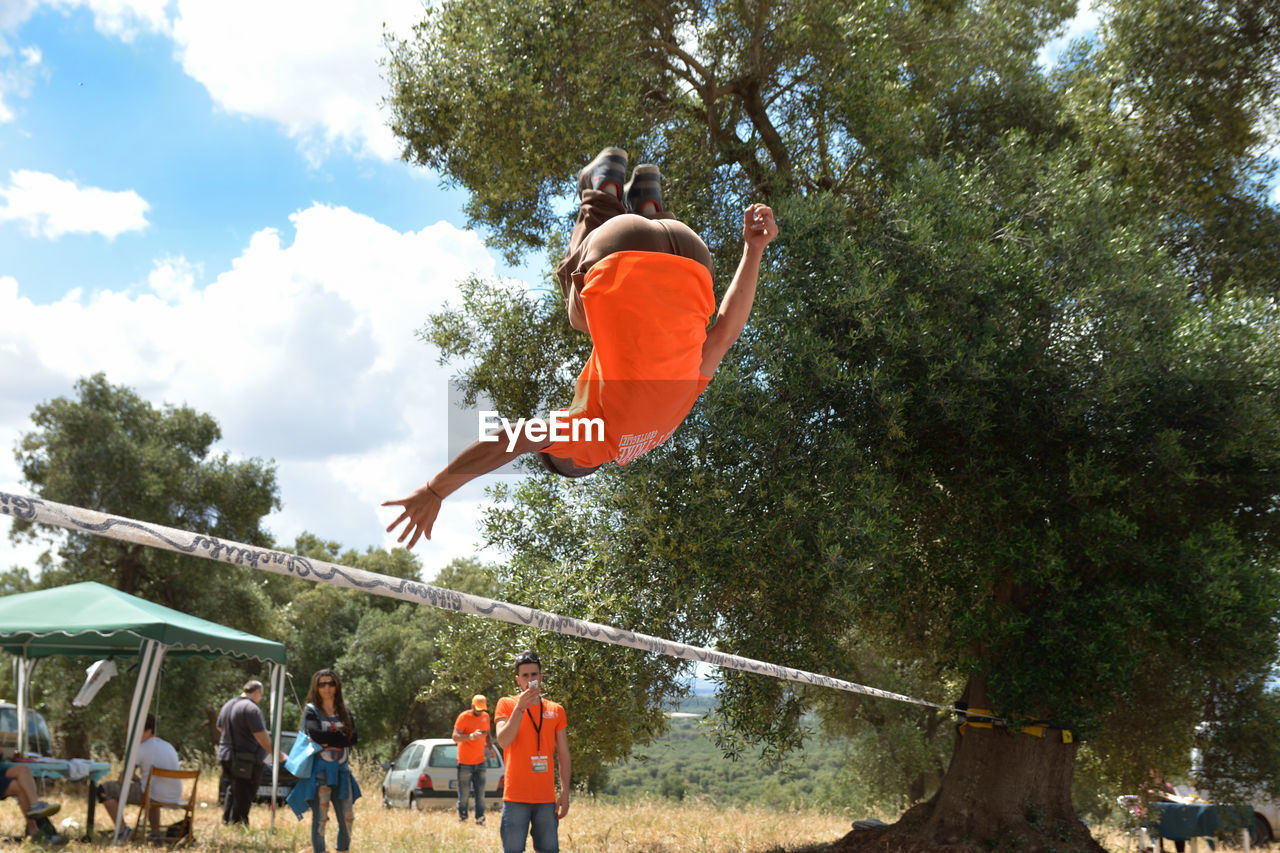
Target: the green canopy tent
pixel 93 619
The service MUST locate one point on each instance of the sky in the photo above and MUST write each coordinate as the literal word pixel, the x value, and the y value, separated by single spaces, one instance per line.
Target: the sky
pixel 202 200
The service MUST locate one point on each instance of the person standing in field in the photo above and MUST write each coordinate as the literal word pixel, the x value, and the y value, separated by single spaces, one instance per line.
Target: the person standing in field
pixel 471 734
pixel 533 732
pixel 242 746
pixel 329 724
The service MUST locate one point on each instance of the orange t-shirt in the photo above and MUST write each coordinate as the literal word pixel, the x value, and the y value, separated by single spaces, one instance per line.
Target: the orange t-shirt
pixel 523 784
pixel 472 751
pixel 647 313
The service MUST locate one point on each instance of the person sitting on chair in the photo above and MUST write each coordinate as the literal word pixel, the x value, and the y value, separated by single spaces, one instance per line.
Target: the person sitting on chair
pixel 16 781
pixel 152 752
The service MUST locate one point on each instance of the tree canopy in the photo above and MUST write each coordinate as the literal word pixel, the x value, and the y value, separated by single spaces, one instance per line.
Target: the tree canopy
pixel 108 449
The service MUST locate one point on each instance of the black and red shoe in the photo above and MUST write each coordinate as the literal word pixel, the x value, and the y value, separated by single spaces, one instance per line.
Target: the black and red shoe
pixel 609 167
pixel 644 188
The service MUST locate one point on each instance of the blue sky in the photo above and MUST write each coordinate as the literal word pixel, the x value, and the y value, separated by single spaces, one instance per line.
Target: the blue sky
pixel 202 200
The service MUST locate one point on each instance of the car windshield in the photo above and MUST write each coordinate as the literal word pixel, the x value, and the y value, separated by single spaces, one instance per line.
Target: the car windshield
pixel 38 740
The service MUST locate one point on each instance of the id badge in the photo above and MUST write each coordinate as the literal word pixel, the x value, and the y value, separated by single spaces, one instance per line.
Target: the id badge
pixel 539 763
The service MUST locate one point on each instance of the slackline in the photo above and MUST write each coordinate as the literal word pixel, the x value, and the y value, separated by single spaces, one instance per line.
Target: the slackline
pixel 292 565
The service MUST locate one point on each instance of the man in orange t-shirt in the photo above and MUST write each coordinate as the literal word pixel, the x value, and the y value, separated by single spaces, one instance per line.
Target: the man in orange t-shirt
pixel 471 734
pixel 529 728
pixel 639 282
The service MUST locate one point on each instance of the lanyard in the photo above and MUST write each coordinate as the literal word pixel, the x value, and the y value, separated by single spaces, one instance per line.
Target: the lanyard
pixel 537 725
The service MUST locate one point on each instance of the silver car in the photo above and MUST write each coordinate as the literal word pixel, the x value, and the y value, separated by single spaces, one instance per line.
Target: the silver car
pixel 426 774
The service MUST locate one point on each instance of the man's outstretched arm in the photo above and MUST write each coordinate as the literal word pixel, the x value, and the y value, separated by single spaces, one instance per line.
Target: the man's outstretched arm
pixel 758 230
pixel 481 457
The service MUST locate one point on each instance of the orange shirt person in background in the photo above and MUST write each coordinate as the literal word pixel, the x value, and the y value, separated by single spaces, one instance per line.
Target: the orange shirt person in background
pixel 639 282
pixel 533 732
pixel 471 734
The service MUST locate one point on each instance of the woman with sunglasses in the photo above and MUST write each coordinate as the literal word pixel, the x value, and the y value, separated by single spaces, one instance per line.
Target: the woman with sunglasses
pixel 328 723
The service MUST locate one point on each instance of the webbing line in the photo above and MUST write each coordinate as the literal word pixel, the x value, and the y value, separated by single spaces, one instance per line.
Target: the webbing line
pixel 292 565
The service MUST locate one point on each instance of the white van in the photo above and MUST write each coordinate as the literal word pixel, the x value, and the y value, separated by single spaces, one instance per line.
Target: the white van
pixel 38 740
pixel 427 771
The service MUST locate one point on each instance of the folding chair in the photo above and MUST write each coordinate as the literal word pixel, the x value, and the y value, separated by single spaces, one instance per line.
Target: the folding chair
pixel 187 802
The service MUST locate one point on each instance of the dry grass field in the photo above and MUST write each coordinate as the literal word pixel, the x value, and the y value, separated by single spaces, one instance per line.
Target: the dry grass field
pixel 643 826
pixel 591 827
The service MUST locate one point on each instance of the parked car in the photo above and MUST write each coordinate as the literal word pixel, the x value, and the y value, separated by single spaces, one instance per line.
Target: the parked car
pixel 1266 823
pixel 38 740
pixel 427 771
pixel 287 779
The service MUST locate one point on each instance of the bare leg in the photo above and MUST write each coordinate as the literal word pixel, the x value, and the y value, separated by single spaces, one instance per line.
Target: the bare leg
pixel 23 787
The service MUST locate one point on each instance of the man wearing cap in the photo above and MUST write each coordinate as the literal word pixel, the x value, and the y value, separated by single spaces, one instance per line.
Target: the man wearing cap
pixel 471 734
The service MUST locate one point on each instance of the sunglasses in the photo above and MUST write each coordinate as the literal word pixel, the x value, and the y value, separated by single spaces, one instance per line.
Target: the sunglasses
pixel 326 684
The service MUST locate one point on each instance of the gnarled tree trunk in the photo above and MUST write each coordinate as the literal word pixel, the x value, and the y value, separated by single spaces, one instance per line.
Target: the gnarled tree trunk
pixel 1003 788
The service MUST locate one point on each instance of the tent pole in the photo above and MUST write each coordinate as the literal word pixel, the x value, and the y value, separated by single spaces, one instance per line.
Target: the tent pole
pixel 25 668
pixel 22 708
pixel 150 656
pixel 277 712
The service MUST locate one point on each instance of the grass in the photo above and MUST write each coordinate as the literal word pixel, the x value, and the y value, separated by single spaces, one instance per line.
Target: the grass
pixel 645 825
pixel 640 826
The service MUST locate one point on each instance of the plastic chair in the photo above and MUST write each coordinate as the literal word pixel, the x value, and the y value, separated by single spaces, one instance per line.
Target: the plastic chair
pixel 142 832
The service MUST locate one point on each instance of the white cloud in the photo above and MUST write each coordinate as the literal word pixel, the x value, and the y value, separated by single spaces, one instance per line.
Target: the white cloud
pixel 174 279
pixel 13 14
pixel 17 74
pixel 50 207
pixel 310 66
pixel 122 19
pixel 304 352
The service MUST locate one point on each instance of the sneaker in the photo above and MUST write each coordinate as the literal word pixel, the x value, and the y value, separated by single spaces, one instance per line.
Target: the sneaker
pixel 609 167
pixel 43 809
pixel 462 818
pixel 480 821
pixel 645 187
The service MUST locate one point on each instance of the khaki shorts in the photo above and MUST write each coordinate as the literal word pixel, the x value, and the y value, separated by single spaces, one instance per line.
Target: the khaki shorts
pixel 111 791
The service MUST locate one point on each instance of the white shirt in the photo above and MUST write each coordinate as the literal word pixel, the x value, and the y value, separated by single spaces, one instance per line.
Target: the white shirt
pixel 157 752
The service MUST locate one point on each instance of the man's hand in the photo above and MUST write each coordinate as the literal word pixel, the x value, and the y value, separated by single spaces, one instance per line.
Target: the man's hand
pixel 758 227
pixel 528 698
pixel 758 231
pixel 420 511
pixel 562 805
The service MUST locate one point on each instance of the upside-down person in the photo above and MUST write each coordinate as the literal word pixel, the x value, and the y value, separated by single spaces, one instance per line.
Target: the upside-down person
pixel 639 282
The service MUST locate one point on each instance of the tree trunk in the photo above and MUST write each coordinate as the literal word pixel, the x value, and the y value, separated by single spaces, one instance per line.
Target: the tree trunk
pixel 1004 789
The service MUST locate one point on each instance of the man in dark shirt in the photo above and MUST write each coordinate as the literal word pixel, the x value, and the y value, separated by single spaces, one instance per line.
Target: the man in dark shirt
pixel 242 733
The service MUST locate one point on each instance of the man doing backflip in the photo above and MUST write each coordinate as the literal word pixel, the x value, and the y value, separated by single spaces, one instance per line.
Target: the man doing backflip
pixel 639 282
